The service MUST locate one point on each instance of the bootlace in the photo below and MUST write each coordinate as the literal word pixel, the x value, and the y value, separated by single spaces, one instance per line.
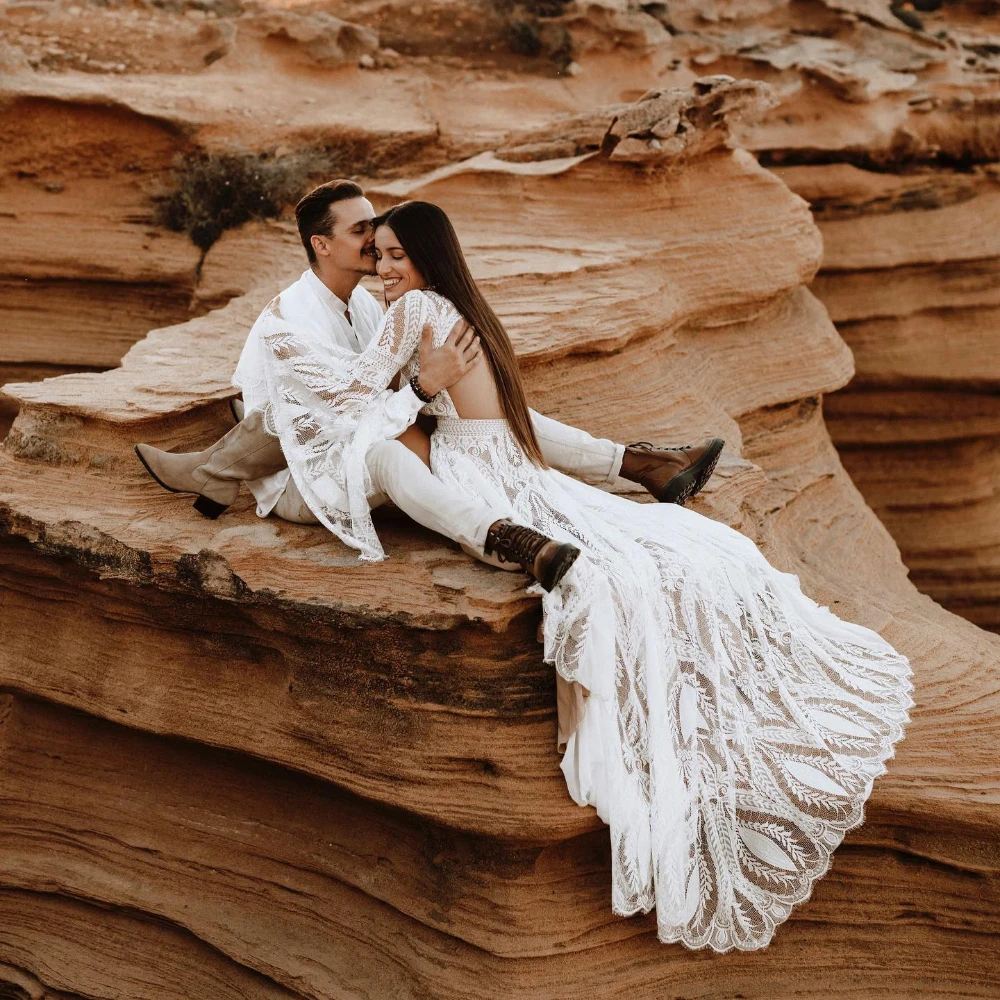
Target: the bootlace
pixel 514 543
pixel 649 446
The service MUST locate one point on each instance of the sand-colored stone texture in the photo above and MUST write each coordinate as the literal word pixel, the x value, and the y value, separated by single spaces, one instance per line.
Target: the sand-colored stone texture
pixel 235 762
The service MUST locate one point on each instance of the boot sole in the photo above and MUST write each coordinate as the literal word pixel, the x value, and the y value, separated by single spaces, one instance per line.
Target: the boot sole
pixel 559 565
pixel 691 481
pixel 210 508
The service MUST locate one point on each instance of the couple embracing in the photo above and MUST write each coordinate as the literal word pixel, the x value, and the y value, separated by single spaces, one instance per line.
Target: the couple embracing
pixel 728 729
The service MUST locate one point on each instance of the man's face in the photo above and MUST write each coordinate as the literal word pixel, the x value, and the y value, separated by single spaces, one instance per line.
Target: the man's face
pixel 351 247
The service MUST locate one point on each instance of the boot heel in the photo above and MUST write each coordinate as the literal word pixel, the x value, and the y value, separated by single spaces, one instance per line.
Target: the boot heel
pixel 210 508
pixel 559 565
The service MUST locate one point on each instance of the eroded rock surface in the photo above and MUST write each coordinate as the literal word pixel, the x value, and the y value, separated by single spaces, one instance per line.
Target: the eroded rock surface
pixel 237 762
pixel 905 187
pixel 911 275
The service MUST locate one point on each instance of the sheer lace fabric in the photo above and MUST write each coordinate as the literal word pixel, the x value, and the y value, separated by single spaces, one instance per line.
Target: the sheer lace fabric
pixel 329 405
pixel 733 727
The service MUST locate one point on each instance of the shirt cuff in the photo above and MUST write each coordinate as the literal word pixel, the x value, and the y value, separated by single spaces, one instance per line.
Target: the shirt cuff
pixel 402 407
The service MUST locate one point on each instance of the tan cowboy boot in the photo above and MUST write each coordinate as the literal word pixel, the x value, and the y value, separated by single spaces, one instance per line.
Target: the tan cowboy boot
pixel 537 554
pixel 245 452
pixel 672 475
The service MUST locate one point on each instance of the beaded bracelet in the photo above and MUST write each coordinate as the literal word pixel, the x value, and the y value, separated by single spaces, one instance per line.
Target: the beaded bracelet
pixel 418 392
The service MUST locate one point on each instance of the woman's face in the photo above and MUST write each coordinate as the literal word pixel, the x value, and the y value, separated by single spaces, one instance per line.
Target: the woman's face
pixel 397 271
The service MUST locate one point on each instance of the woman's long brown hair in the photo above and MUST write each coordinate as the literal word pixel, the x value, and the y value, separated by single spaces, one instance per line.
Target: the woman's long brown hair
pixel 429 239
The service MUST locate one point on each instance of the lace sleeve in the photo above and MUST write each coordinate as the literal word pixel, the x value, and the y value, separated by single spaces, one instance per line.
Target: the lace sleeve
pixel 342 388
pixel 329 406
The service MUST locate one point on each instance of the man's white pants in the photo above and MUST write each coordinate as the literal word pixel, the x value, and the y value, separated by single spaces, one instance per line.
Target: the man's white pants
pixel 397 473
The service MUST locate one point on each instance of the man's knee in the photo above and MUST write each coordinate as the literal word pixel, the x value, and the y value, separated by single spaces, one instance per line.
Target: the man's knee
pixel 384 460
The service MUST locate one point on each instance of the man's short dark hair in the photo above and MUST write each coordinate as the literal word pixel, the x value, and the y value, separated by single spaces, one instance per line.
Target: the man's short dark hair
pixel 313 213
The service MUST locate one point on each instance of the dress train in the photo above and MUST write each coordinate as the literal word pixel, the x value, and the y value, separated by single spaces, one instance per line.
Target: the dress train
pixel 732 727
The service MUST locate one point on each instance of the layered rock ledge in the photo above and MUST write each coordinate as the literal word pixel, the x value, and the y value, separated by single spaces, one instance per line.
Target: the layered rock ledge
pixel 888 123
pixel 238 763
pixel 911 275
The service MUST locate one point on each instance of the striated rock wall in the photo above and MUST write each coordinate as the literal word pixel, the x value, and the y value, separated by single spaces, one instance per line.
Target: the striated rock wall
pixel 101 104
pixel 83 272
pixel 911 275
pixel 902 171
pixel 236 762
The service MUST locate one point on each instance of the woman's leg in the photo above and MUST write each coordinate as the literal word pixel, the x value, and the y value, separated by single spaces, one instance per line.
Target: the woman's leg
pixel 577 453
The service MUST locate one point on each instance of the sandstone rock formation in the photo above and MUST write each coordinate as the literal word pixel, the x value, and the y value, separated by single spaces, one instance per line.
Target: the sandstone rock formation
pixel 912 277
pixel 894 139
pixel 324 39
pixel 236 762
pixel 893 136
pixel 87 267
pixel 78 302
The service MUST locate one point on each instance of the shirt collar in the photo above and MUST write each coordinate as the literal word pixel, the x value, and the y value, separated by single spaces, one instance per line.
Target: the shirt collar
pixel 324 293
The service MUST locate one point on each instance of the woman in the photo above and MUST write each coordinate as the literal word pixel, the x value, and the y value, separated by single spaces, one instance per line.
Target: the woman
pixel 732 728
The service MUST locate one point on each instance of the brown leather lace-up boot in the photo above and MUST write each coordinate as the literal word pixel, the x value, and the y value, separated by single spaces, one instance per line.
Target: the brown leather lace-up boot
pixel 537 554
pixel 672 475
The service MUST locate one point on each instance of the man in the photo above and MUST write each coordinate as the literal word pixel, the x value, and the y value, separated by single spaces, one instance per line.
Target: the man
pixel 330 308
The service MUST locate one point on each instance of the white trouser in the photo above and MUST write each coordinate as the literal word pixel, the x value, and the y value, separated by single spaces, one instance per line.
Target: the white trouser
pixel 575 452
pixel 397 473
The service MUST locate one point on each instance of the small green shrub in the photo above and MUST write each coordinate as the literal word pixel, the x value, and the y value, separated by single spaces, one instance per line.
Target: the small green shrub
pixel 214 192
pixel 533 8
pixel 523 39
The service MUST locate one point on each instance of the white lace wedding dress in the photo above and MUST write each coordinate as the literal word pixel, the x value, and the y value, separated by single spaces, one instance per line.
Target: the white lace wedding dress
pixel 732 728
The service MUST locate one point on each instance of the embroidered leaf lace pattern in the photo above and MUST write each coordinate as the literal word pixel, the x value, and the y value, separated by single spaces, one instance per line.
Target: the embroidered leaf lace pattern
pixel 329 405
pixel 733 727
